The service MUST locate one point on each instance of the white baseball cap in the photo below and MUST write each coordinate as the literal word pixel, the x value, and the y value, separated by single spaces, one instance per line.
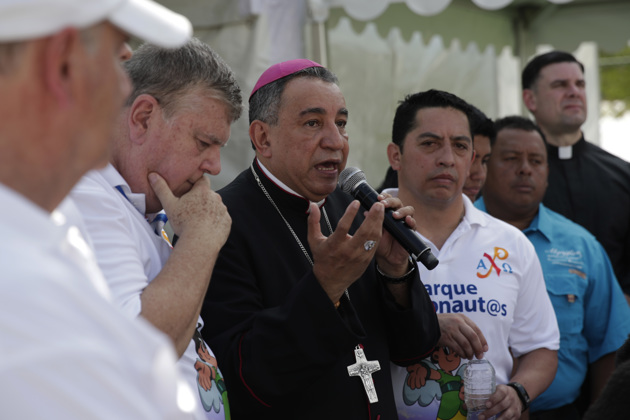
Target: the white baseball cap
pixel 28 19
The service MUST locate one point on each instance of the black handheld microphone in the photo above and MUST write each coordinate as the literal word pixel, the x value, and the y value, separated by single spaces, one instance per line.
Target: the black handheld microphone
pixel 353 182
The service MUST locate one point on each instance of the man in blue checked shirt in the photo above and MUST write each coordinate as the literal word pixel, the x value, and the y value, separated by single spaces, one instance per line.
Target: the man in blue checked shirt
pixel 593 315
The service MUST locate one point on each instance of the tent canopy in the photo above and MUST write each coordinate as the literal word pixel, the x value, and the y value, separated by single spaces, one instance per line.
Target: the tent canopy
pixel 520 24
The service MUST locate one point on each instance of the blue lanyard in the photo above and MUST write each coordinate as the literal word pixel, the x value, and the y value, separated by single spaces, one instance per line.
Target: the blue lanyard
pixel 158 222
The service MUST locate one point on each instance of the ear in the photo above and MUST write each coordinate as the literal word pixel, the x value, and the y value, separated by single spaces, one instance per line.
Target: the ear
pixel 394 155
pixel 59 55
pixel 259 135
pixel 125 52
pixel 470 163
pixel 529 99
pixel 144 111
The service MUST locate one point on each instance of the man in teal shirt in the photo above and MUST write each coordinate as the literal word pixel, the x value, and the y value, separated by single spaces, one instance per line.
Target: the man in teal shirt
pixel 593 316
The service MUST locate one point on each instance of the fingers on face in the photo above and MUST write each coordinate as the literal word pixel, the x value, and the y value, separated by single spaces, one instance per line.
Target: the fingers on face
pixel 160 187
pixel 204 180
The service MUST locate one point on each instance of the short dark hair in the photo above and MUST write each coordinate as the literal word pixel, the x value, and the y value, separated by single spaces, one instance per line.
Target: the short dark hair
pixel 390 181
pixel 532 69
pixel 405 117
pixel 481 125
pixel 169 74
pixel 264 105
pixel 518 123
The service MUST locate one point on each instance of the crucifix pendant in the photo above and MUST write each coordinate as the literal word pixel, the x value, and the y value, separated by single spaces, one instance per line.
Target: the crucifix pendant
pixel 364 368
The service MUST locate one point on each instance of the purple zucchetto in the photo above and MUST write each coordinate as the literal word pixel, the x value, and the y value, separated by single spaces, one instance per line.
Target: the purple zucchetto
pixel 280 70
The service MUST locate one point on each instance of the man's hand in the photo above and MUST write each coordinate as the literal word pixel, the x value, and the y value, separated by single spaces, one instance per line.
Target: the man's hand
pixel 173 299
pixel 340 259
pixel 505 401
pixel 462 336
pixel 200 210
pixel 391 257
pixel 535 371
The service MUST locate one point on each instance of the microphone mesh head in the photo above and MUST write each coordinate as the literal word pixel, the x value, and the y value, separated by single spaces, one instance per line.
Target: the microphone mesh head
pixel 349 178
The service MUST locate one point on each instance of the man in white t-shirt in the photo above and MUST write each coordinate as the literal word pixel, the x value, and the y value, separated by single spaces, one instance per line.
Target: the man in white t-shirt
pixel 488 289
pixel 167 137
pixel 65 351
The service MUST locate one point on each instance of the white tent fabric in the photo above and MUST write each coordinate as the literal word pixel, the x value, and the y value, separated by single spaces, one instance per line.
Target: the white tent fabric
pixel 375 73
pixel 378 60
pixel 371 9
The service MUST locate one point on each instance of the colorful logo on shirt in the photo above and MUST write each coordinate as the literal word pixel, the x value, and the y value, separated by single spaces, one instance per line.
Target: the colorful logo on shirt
pixel 210 383
pixel 434 388
pixel 489 264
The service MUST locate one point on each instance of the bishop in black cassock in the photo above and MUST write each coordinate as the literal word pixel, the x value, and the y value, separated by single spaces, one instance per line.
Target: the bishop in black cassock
pixel 290 342
pixel 283 347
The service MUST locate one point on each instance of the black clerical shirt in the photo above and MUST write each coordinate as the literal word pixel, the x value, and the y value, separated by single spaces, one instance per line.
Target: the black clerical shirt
pixel 592 188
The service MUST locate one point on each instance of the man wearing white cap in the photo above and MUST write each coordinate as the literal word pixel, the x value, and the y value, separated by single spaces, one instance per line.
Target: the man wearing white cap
pixel 305 299
pixel 65 350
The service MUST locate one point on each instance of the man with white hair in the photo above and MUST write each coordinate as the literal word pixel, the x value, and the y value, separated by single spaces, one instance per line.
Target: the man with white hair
pixel 66 351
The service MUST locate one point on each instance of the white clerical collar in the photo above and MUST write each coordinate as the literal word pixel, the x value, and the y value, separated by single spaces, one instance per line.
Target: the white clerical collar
pixel 565 152
pixel 283 185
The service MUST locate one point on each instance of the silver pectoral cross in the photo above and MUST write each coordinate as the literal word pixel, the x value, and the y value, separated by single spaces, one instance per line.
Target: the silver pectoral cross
pixel 364 368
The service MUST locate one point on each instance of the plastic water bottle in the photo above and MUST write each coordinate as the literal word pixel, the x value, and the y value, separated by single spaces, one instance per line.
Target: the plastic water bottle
pixel 479 385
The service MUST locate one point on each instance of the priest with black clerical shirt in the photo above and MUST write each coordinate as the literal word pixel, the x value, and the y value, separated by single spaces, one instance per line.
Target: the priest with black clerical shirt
pixel 586 183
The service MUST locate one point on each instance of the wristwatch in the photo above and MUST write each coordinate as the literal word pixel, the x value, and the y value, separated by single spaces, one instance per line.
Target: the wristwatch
pixel 398 280
pixel 522 394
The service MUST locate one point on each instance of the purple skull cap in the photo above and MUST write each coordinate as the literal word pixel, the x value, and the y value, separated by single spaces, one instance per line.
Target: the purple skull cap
pixel 280 70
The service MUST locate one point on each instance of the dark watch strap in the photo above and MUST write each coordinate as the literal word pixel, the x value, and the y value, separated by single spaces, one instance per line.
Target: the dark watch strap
pixel 398 280
pixel 522 394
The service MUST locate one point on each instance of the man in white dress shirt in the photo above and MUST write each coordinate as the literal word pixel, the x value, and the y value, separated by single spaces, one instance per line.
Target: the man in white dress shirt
pixel 65 351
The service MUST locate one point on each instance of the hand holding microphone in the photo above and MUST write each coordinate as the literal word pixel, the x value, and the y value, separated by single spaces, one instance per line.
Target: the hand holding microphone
pixel 353 182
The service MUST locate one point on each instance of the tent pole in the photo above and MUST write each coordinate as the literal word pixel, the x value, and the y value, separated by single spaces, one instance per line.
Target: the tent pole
pixel 319 46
